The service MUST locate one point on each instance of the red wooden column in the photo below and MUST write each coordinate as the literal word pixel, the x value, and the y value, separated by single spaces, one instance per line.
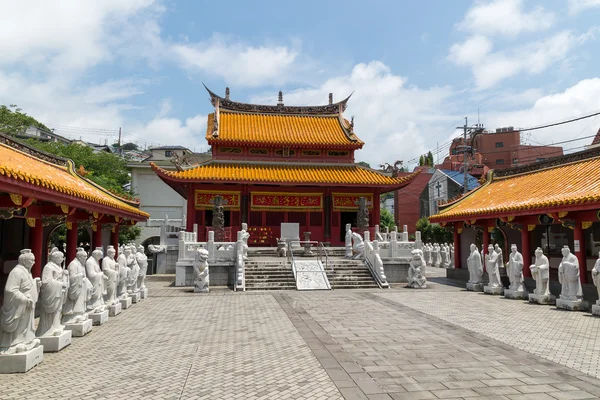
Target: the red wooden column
pixel 97 237
pixel 486 240
pixel 457 259
pixel 71 242
pixel 191 211
pixel 114 239
pixel 581 257
pixel 526 251
pixel 36 241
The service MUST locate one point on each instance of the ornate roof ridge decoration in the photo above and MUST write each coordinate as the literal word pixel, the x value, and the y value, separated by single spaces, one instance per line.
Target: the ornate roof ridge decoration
pixel 225 104
pixel 550 163
pixel 22 147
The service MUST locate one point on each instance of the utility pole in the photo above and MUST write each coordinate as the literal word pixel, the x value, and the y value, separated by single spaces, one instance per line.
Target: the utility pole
pixel 119 142
pixel 465 156
pixel 467 148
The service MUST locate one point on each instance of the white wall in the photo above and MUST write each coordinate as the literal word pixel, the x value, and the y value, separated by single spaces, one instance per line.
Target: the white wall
pixel 434 197
pixel 156 197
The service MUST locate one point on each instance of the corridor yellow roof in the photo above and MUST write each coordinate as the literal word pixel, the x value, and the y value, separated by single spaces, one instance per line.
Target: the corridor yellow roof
pixel 285 130
pixel 343 174
pixel 573 184
pixel 23 167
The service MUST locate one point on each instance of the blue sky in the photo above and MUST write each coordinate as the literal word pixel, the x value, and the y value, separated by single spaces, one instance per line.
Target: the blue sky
pixel 416 68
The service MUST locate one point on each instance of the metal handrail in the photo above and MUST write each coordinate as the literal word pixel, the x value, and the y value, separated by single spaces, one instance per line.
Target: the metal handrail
pixel 291 256
pixel 322 247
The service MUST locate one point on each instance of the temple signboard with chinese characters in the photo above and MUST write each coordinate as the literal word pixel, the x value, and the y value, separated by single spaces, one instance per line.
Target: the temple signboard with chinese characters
pixel 275 163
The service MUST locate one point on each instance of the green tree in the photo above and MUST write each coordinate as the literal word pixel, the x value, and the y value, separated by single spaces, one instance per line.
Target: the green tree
pixel 129 146
pixel 429 159
pixel 386 219
pixel 13 121
pixel 421 160
pixel 129 233
pixel 434 233
pixel 364 164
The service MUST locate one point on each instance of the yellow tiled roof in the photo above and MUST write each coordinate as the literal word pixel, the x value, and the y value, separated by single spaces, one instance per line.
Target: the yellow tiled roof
pixel 277 129
pixel 343 174
pixel 23 167
pixel 577 183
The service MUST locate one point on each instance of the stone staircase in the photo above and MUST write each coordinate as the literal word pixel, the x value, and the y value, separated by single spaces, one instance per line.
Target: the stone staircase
pixel 350 274
pixel 269 275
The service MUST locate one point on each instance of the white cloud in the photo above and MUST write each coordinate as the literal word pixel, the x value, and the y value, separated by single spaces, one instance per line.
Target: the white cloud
pixel 506 18
pixel 239 64
pixel 577 6
pixel 577 100
pixel 470 51
pixel 490 68
pixel 395 120
pixel 66 36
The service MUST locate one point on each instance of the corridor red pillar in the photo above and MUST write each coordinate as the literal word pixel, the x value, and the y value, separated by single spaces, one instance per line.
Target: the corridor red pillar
pixel 579 251
pixel 97 237
pixel 191 212
pixel 457 259
pixel 36 241
pixel 486 240
pixel 526 251
pixel 71 242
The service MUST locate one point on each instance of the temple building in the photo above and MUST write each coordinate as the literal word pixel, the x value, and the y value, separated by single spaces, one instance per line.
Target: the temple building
pixel 547 204
pixel 277 163
pixel 39 192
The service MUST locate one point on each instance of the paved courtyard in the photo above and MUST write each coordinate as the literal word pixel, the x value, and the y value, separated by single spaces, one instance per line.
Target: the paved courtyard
pixel 438 343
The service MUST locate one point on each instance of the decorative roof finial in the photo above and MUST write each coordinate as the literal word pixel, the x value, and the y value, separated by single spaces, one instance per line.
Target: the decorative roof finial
pixel 330 98
pixel 280 99
pixel 227 93
pixel 352 123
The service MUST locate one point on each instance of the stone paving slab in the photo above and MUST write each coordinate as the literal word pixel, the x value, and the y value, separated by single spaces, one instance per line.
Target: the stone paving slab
pixel 352 344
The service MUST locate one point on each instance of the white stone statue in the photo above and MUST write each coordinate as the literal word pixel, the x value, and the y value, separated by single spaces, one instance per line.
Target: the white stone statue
pixel 434 256
pixel 134 268
pixel 156 248
pixel 475 266
pixel 444 255
pixel 79 292
pixel 18 310
pixel 491 267
pixel 540 271
pixel 109 268
pixel 201 278
pixel 596 277
pixel 498 251
pixel 451 252
pixel 124 272
pixel 568 276
pixel 348 242
pixel 97 278
pixel 515 269
pixel 245 237
pixel 142 261
pixel 427 254
pixel 55 282
pixel 416 270
pixel 358 246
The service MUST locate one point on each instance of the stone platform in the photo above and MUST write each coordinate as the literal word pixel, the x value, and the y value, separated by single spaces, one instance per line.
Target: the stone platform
pixel 79 329
pixel 115 309
pixel 572 305
pixel 125 303
pixel 135 297
pixel 21 362
pixel 53 344
pixel 144 293
pixel 542 299
pixel 596 309
pixel 496 291
pixel 99 318
pixel 475 287
pixel 515 294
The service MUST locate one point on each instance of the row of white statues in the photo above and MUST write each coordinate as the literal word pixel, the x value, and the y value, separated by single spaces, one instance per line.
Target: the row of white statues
pixel 65 297
pixel 439 255
pixel 568 275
